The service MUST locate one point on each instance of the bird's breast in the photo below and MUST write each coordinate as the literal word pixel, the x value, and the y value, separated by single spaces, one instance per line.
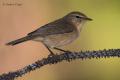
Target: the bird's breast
pixel 60 39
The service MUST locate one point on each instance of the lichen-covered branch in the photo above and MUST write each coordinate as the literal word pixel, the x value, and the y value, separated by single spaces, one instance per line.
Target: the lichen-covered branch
pixel 68 56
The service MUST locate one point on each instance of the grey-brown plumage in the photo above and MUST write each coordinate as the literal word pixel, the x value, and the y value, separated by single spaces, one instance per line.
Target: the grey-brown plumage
pixel 57 33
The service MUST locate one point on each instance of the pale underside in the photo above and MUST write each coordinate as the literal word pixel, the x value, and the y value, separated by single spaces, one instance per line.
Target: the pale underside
pixel 58 39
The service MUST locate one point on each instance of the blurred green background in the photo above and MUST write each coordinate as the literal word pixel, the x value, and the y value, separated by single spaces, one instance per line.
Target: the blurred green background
pixel 101 33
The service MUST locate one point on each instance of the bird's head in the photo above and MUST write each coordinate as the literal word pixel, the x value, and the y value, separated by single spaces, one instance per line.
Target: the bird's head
pixel 77 18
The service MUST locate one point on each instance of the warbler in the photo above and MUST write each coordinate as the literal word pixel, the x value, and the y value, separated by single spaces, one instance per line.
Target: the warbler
pixel 57 33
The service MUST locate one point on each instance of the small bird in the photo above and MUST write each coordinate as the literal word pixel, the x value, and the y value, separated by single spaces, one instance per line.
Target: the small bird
pixel 57 33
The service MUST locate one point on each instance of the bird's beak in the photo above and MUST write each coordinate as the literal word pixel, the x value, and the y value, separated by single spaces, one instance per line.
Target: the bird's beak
pixel 89 19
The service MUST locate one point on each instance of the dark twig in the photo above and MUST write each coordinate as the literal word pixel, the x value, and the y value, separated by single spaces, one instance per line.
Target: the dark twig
pixel 68 56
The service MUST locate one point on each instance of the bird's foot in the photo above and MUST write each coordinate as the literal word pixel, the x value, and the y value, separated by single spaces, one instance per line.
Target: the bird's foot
pixel 66 51
pixel 51 54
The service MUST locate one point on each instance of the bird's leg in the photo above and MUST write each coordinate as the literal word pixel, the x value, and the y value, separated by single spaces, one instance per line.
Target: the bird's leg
pixel 60 49
pixel 51 52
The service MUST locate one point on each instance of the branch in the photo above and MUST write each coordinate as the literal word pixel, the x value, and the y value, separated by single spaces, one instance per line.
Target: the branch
pixel 68 56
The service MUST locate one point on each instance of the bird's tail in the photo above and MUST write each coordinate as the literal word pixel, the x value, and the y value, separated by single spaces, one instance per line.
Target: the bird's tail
pixel 12 43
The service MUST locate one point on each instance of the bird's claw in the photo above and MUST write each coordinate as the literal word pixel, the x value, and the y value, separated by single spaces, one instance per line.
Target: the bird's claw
pixel 51 54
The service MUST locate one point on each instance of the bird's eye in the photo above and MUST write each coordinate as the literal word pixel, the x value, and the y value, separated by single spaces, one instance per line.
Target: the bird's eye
pixel 77 16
